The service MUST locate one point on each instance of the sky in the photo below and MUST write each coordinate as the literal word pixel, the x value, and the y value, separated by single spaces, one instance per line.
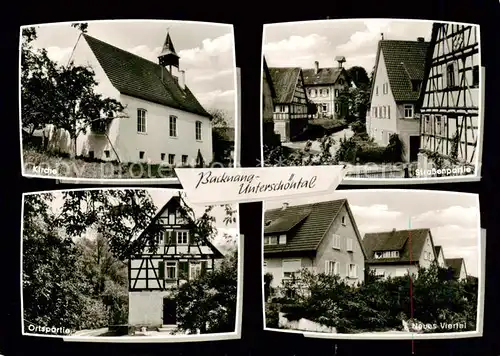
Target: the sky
pixel 206 51
pixel 161 196
pixel 300 44
pixel 452 217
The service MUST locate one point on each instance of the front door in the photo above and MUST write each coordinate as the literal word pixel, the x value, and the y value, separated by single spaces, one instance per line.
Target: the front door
pixel 414 148
pixel 169 311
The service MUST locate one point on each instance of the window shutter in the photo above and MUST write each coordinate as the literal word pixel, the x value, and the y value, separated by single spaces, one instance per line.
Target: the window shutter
pixel 161 269
pixel 192 240
pixel 203 267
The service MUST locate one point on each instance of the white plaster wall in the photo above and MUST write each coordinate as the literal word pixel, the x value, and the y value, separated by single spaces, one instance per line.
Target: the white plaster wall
pixel 395 270
pixel 146 308
pixel 428 247
pixel 275 267
pixel 378 127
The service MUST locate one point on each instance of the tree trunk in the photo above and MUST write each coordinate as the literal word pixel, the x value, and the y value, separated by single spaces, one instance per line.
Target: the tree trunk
pixel 72 151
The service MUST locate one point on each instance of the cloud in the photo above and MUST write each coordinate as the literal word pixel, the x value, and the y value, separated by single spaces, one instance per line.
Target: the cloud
pixel 299 51
pixel 60 55
pixel 217 53
pixel 454 215
pixel 377 217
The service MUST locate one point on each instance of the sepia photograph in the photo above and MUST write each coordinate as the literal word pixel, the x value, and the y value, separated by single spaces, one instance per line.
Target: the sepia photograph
pixel 390 99
pixel 374 264
pixel 132 265
pixel 126 99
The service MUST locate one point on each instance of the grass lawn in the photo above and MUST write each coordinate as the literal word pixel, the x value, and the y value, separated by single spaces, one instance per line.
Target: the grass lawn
pixel 79 168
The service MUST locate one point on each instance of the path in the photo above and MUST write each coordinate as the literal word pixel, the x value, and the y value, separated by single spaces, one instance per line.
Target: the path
pixel 316 145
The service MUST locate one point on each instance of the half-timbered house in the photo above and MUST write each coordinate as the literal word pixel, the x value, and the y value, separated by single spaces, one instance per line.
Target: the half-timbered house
pixel 290 103
pixel 450 98
pixel 177 256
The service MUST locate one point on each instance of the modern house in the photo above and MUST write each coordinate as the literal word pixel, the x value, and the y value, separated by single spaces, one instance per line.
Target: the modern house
pixel 398 75
pixel 450 96
pixel 324 86
pixel 458 267
pixel 177 257
pixel 397 253
pixel 322 237
pixel 268 98
pixel 163 121
pixel 290 103
pixel 440 256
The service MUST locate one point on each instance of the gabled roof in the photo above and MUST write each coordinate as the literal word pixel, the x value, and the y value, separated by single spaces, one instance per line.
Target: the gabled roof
pixel 396 240
pixel 174 202
pixel 266 76
pixel 284 82
pixel 405 61
pixel 306 225
pixel 140 78
pixel 456 264
pixel 325 76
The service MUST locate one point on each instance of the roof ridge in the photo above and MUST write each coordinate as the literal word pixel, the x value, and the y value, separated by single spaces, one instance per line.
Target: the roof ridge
pixel 308 204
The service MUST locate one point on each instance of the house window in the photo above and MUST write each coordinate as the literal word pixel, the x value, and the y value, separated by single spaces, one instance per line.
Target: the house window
pixel 475 76
pixel 341 81
pixel 198 130
pixel 184 160
pixel 173 126
pixel 376 90
pixel 450 75
pixel 171 269
pixel 313 93
pixel 171 159
pixel 337 92
pixel 352 270
pixel 141 120
pixel 426 123
pixel 281 108
pixel 380 272
pixel 194 270
pixel 388 112
pixel 438 124
pixel 336 241
pixel 291 267
pixel 282 240
pixel 106 154
pixel 324 107
pixel 349 245
pixel 344 220
pixel 141 154
pixel 162 156
pixel 273 240
pixel 331 268
pixel 408 111
pixel 323 92
pixel 394 254
pixel 337 107
pixel 386 88
pixel 182 237
pixel 383 111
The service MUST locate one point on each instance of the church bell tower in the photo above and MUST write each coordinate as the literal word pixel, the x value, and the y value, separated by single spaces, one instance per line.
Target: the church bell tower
pixel 168 58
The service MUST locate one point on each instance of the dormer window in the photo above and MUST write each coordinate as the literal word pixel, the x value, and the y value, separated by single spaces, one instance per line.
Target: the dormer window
pixel 415 85
pixel 386 254
pixel 282 240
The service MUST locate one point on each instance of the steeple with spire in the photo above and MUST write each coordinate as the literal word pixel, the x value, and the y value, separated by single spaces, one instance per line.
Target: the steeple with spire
pixel 168 57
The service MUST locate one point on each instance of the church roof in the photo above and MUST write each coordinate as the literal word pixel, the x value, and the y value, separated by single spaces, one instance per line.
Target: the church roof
pixel 140 78
pixel 168 47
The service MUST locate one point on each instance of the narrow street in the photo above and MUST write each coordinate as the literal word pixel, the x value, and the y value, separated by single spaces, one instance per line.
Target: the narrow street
pixel 316 145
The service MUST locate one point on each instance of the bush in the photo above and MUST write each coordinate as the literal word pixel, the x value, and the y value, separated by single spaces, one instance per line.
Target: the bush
pixel 380 304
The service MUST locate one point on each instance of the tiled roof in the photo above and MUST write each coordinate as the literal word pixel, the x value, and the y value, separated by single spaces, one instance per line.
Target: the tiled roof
pixel 284 82
pixel 307 235
pixel 140 78
pixel 405 61
pixel 285 222
pixel 395 240
pixel 456 265
pixel 267 80
pixel 325 76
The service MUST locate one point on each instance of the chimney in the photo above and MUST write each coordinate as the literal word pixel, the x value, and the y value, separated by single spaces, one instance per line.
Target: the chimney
pixel 316 67
pixel 285 205
pixel 420 39
pixel 182 79
pixel 393 229
pixel 340 60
